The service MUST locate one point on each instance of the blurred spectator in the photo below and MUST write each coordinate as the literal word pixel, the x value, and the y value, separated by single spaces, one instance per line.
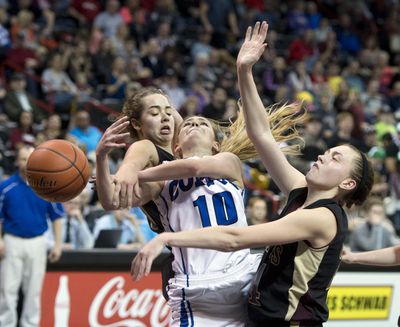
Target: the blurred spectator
pixel 153 58
pixel 58 87
pixel 299 80
pixel 394 98
pixel 216 108
pixel 201 72
pixel 87 135
pixel 23 248
pixel 5 41
pixel 20 57
pixel 173 90
pixel 256 211
pixel 117 80
pixel 22 26
pixel 376 232
pixel 135 17
pixel 218 17
pixel 52 130
pixel 103 60
pixel 108 20
pixel 347 38
pixel 84 11
pixel 131 237
pixel 297 19
pixel 275 77
pixel 353 76
pixel 18 100
pixel 24 133
pixel 75 230
pixel 303 48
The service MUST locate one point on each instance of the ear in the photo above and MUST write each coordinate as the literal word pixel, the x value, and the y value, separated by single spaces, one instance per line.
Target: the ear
pixel 135 124
pixel 178 151
pixel 348 184
pixel 216 148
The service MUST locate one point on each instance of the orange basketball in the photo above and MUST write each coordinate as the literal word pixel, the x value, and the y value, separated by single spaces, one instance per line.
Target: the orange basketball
pixel 57 170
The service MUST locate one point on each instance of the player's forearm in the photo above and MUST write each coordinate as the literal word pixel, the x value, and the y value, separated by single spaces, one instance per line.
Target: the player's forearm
pixel 226 239
pixel 104 184
pixel 252 106
pixel 383 257
pixel 177 169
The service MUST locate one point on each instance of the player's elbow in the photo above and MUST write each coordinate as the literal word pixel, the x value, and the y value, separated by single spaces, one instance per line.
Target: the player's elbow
pixel 195 169
pixel 231 243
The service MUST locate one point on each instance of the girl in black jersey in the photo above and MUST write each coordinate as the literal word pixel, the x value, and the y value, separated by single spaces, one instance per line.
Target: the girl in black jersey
pixel 291 285
pixel 150 120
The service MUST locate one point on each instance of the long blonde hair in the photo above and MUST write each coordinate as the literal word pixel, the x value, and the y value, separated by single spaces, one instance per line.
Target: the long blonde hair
pixel 283 121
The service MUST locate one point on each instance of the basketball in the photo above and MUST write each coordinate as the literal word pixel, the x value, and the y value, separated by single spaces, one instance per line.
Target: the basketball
pixel 57 170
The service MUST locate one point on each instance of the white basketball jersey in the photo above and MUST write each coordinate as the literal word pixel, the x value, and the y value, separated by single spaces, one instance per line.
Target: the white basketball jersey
pixel 196 203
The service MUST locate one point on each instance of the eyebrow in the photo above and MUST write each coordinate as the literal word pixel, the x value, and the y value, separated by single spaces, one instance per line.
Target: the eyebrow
pixel 159 107
pixel 334 152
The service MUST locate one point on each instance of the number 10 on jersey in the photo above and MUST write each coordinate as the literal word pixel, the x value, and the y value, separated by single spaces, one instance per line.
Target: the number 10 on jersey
pixel 224 209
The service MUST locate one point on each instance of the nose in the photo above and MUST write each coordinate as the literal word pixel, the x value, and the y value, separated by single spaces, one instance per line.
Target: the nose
pixel 320 157
pixel 195 123
pixel 165 117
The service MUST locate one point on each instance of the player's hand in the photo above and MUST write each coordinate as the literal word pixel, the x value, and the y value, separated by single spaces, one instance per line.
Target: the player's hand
pixel 113 137
pixel 253 46
pixel 141 264
pixel 2 250
pixel 346 255
pixel 126 191
pixel 55 254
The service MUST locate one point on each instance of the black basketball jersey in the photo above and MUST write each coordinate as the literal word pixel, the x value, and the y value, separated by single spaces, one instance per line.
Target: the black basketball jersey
pixel 150 208
pixel 292 280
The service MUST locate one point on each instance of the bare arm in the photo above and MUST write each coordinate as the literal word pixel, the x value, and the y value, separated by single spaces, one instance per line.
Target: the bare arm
pixel 305 224
pixel 383 257
pixel 112 138
pixel 222 165
pixel 285 176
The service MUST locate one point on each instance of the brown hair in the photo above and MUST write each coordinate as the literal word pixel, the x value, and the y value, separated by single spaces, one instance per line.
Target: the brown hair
pixel 133 106
pixel 363 174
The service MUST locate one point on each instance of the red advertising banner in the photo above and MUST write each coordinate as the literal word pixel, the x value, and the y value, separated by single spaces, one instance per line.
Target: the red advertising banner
pixel 103 299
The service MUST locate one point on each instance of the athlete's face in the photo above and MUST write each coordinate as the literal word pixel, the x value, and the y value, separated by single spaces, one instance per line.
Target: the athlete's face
pixel 333 168
pixel 156 122
pixel 196 128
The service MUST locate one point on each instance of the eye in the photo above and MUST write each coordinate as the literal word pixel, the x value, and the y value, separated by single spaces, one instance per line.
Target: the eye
pixel 186 123
pixel 204 123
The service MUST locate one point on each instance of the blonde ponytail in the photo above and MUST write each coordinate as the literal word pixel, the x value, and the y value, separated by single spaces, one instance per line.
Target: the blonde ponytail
pixel 283 121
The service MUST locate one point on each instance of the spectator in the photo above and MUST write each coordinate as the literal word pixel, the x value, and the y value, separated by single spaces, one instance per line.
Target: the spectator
pixel 23 248
pixel 216 108
pixel 17 100
pixel 75 230
pixel 87 135
pixel 84 11
pixel 117 80
pixel 24 133
pixel 375 232
pixel 58 87
pixel 108 21
pixel 256 211
pixel 131 236
pixel 52 130
pixel 153 58
pixel 173 90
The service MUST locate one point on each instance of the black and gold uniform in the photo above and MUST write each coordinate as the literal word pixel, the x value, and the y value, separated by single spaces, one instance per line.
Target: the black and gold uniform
pixel 292 281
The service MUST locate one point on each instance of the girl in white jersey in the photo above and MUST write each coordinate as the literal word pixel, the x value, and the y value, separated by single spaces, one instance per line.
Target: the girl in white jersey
pixel 210 287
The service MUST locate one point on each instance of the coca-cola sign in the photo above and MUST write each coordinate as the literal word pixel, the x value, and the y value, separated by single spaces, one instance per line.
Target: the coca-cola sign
pixel 104 300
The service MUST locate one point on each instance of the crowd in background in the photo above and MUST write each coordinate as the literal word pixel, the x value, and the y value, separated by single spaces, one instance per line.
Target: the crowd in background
pixel 63 60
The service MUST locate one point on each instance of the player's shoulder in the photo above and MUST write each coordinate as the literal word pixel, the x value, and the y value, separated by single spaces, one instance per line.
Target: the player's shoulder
pixel 8 181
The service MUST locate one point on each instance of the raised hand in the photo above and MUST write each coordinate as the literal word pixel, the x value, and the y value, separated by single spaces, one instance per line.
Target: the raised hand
pixel 113 137
pixel 141 264
pixel 253 45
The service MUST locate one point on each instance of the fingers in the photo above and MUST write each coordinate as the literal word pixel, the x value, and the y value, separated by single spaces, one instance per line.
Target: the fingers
pixel 123 196
pixel 117 189
pixel 137 191
pixel 248 33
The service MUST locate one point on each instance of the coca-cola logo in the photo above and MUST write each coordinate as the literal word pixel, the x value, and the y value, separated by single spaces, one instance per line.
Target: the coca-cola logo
pixel 131 307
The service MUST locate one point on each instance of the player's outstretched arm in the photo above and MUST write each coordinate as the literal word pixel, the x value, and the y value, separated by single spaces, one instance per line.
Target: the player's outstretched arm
pixel 382 257
pixel 315 225
pixel 258 129
pixel 222 165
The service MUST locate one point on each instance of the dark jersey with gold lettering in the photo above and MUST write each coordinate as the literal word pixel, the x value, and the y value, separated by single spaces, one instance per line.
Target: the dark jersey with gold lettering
pixel 292 281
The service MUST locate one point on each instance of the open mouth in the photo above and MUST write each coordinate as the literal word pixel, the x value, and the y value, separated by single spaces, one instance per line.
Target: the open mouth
pixel 165 130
